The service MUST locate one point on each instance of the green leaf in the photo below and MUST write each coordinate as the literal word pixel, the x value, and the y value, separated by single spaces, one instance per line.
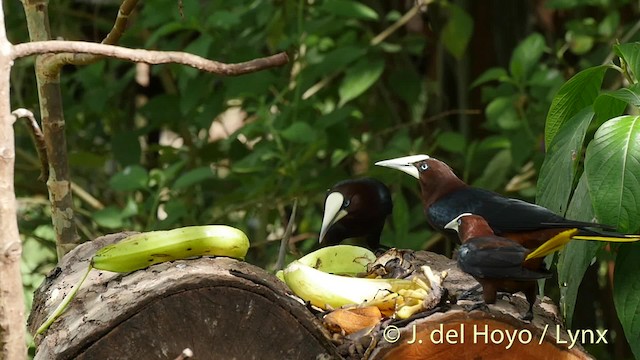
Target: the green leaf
pixel 299 132
pixel 492 74
pixel 626 293
pixel 501 112
pixel 495 172
pixel 609 24
pixel 457 31
pixel 526 56
pixel 193 177
pixel 131 178
pixel 612 166
pixel 126 148
pixel 577 256
pixel 109 217
pixel 630 53
pixel 577 93
pixel 359 78
pixel 560 164
pixel 451 141
pixel 400 215
pixel 630 95
pixel 350 9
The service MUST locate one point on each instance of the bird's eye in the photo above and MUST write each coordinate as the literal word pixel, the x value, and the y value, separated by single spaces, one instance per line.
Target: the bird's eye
pixel 423 167
pixel 459 222
pixel 346 203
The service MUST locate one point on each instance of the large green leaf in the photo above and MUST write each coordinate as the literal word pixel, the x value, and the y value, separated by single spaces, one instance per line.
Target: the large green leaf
pixel 457 31
pixel 577 93
pixel 526 56
pixel 560 164
pixel 576 257
pixel 626 293
pixel 612 166
pixel 630 53
pixel 359 78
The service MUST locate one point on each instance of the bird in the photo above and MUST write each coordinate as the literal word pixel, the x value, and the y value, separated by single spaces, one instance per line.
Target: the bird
pixel 355 208
pixel 445 196
pixel 497 263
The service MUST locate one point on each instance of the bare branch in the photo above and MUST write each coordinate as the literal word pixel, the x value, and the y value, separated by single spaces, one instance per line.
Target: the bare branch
pixel 114 35
pixel 286 237
pixel 149 56
pixel 38 139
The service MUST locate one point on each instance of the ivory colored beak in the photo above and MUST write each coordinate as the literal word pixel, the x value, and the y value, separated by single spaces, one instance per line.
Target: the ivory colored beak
pixel 404 164
pixel 333 212
pixel 453 224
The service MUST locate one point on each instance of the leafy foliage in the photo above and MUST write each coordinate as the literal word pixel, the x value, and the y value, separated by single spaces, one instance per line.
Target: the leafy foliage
pixel 191 148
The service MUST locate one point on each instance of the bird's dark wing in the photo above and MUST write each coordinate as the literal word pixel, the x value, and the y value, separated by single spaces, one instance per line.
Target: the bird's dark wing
pixel 502 213
pixel 496 258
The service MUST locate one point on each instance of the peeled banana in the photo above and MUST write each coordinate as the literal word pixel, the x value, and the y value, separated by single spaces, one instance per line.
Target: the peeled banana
pixel 307 279
pixel 145 249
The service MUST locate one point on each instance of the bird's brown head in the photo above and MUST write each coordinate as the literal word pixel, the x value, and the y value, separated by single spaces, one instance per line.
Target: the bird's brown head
pixel 436 178
pixel 469 226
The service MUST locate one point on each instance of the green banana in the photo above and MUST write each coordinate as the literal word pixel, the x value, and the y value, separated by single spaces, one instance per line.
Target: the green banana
pixel 145 249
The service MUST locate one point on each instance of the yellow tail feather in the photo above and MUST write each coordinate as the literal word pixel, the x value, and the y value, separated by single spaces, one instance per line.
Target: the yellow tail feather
pixel 554 244
pixel 557 242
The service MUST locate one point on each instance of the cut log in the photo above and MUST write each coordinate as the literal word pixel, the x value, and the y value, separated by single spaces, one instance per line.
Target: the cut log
pixel 217 307
pixel 222 308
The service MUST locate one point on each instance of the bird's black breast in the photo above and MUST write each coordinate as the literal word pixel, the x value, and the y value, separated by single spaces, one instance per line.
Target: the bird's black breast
pixel 494 257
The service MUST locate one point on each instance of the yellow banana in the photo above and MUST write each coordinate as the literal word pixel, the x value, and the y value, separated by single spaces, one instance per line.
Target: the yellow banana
pixel 145 249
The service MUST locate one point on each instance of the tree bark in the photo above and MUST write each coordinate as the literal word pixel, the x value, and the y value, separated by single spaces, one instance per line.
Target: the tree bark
pixel 235 310
pixel 12 337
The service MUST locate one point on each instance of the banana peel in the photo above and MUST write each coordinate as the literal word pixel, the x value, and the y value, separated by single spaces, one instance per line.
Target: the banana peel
pixel 308 279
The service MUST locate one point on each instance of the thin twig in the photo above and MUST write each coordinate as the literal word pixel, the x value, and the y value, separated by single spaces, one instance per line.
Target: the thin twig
pixel 149 56
pixel 113 37
pixel 395 26
pixel 38 139
pixel 433 118
pixel 285 238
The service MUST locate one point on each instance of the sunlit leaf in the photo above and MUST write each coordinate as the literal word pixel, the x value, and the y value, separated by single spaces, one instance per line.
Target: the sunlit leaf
pixel 612 166
pixel 577 93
